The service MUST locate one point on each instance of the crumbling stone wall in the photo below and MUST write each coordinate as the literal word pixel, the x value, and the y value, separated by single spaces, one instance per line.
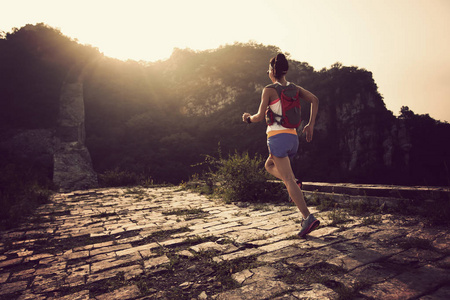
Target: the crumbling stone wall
pixel 72 165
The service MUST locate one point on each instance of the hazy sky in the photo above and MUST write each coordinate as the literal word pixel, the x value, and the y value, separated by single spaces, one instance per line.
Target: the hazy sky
pixel 404 43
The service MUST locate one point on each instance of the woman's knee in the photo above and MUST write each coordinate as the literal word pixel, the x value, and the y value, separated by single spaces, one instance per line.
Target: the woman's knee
pixel 269 164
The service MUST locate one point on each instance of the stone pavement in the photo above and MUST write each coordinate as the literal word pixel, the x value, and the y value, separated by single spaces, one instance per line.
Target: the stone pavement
pixel 168 243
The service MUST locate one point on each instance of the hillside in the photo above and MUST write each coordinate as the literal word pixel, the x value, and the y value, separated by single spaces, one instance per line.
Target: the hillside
pixel 158 119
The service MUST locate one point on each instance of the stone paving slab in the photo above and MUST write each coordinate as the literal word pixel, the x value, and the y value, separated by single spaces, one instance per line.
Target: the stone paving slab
pixel 168 243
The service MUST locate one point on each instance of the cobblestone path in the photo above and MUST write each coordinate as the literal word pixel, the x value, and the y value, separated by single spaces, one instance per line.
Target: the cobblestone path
pixel 166 243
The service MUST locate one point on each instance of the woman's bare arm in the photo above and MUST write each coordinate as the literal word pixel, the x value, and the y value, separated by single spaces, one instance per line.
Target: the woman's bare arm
pixel 259 116
pixel 311 98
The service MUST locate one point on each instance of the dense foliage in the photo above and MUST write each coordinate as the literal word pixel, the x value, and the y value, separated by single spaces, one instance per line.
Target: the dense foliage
pixel 240 177
pixel 34 60
pixel 156 120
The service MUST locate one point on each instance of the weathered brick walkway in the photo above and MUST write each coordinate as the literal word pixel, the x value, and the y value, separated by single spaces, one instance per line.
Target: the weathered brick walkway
pixel 165 243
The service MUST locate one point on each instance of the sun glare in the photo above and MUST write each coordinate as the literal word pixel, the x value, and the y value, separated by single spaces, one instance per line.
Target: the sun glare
pixel 149 31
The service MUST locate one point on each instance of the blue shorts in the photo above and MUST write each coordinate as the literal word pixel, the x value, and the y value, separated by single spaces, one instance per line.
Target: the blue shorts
pixel 283 144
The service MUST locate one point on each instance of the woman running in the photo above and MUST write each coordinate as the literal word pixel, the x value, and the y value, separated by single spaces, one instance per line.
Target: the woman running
pixel 283 142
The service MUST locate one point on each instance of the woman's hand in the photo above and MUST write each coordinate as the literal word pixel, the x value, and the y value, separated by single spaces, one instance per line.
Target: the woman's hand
pixel 308 129
pixel 245 116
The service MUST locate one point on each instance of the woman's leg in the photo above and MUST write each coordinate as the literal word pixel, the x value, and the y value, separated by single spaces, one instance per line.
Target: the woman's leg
pixel 280 167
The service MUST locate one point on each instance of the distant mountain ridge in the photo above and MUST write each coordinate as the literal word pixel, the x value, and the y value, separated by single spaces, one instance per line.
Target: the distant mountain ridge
pixel 160 118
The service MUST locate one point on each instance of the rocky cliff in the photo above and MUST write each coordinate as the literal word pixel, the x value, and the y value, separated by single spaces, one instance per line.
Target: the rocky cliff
pixel 362 139
pixel 367 141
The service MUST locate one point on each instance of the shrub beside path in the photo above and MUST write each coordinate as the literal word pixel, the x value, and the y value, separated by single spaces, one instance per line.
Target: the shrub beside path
pixel 169 243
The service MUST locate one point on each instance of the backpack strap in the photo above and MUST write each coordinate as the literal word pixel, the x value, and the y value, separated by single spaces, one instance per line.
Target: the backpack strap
pixel 272 86
pixel 278 87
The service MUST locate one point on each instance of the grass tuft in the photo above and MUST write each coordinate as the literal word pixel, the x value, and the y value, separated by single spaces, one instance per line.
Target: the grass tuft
pixel 238 178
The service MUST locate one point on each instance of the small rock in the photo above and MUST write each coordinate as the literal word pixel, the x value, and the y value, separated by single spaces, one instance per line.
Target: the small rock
pixel 203 295
pixel 185 253
pixel 242 276
pixel 192 268
pixel 185 285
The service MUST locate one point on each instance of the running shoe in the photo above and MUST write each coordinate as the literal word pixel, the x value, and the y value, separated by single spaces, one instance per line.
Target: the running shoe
pixel 308 225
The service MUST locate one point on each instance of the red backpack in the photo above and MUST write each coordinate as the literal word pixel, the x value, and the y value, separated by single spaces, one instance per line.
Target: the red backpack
pixel 290 106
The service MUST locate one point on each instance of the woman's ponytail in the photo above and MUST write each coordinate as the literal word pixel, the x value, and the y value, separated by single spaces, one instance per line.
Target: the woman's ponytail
pixel 280 65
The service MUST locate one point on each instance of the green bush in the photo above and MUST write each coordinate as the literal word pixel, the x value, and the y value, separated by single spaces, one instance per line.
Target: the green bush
pixel 242 178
